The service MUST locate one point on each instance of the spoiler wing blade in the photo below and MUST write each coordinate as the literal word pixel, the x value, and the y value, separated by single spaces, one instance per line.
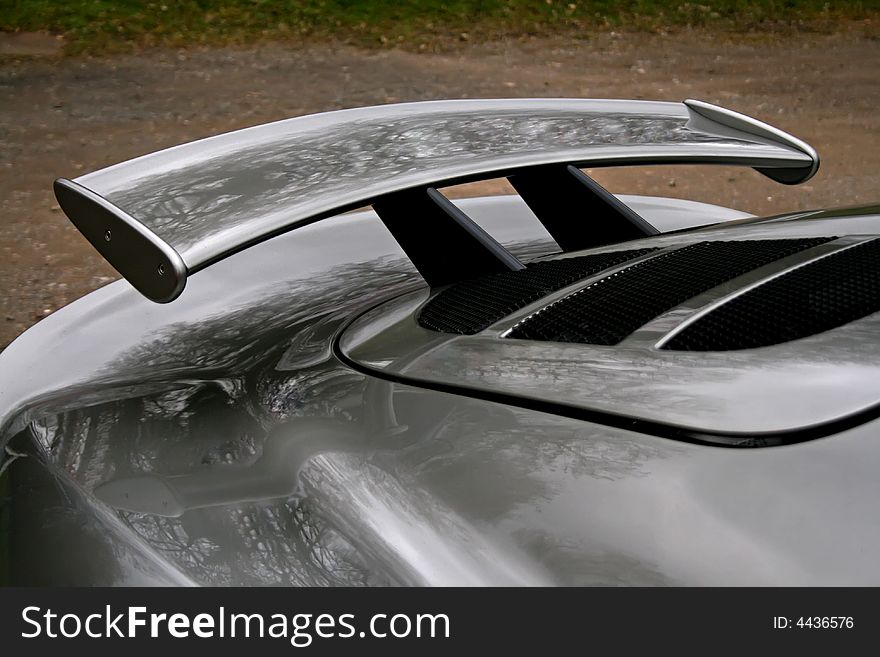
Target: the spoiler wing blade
pixel 172 213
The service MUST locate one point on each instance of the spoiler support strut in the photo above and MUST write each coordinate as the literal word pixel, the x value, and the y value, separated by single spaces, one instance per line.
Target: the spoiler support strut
pixel 432 231
pixel 172 213
pixel 576 210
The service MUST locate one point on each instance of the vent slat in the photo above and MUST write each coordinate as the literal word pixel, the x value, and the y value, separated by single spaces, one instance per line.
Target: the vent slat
pixel 472 306
pixel 610 309
pixel 819 296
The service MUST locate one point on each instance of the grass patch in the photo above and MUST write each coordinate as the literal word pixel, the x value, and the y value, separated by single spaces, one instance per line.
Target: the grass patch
pixel 99 26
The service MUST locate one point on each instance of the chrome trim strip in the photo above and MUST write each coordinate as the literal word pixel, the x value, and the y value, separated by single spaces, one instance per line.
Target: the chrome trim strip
pixel 506 325
pixel 842 244
pixel 649 334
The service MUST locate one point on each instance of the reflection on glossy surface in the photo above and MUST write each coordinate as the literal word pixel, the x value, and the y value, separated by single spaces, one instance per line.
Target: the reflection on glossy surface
pixel 207 197
pixel 780 388
pixel 276 473
pixel 219 441
pixel 474 493
pixel 252 302
pixel 59 537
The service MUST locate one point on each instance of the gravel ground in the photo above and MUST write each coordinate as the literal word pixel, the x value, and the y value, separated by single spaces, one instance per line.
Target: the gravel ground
pixel 65 117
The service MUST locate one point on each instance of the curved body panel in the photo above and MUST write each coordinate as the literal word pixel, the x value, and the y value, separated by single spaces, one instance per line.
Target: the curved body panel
pixel 221 441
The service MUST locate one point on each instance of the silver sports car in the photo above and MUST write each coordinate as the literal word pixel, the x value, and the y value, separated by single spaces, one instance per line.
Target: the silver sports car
pixel 561 386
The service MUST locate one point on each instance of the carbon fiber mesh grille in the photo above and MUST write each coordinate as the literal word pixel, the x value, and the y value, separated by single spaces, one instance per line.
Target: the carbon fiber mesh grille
pixel 610 309
pixel 471 306
pixel 830 292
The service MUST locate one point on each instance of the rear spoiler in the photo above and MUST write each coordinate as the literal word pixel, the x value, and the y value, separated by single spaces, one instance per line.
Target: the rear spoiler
pixel 161 217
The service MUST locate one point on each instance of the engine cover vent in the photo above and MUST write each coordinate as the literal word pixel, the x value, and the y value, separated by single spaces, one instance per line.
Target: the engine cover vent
pixel 816 297
pixel 473 305
pixel 610 309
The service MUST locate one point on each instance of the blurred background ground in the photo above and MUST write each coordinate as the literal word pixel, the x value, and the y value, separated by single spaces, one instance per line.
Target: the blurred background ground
pixel 87 84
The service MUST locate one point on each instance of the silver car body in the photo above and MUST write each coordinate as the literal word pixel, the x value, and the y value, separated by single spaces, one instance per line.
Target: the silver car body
pixel 286 421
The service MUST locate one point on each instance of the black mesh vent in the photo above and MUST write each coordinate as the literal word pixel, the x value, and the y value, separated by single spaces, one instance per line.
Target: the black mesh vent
pixel 610 309
pixel 471 306
pixel 817 297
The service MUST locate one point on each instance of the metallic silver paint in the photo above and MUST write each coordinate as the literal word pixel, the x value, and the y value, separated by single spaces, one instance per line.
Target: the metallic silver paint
pixel 211 198
pixel 150 265
pixel 414 486
pixel 70 367
pixel 737 121
pixel 780 388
